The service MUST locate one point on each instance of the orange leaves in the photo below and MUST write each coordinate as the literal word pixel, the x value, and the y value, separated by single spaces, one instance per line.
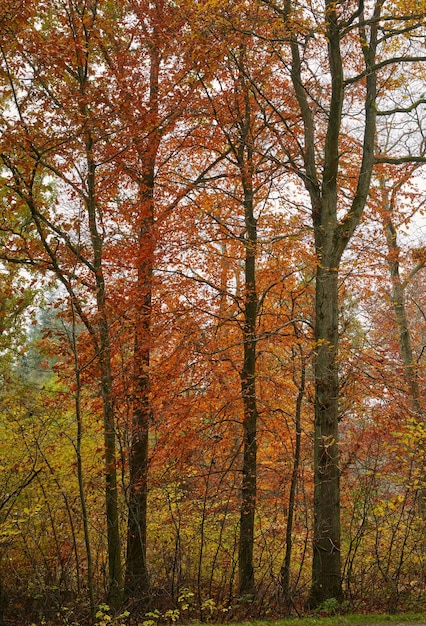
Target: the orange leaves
pixel 153 159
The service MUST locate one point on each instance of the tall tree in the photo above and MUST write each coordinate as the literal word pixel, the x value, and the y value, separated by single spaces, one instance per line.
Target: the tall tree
pixel 328 84
pixel 233 107
pixel 152 65
pixel 388 199
pixel 30 152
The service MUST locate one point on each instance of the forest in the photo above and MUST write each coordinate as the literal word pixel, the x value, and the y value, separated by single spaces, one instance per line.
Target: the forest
pixel 212 308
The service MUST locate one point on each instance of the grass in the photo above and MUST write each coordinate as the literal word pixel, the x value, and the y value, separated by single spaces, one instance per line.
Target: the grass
pixel 344 620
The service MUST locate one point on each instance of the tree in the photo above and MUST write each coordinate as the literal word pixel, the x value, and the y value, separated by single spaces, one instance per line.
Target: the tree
pixel 30 154
pixel 188 198
pixel 388 201
pixel 242 133
pixel 151 100
pixel 338 188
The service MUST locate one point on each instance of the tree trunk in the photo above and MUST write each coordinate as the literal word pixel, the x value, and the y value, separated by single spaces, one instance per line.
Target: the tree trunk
pixel 248 387
pixel 404 338
pixel 326 575
pixel 80 473
pixel 137 580
pixel 248 372
pixel 115 572
pixel 285 569
pixel 137 584
pixel 331 238
pixel 111 497
pixel 404 335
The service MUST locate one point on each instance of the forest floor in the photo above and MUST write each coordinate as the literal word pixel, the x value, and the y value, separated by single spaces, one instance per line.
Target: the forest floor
pixel 376 619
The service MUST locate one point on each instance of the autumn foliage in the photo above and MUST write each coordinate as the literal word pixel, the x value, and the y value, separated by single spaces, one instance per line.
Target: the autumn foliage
pixel 212 308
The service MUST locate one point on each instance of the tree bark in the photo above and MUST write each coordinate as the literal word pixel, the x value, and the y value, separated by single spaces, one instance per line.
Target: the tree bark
pixel 111 496
pixel 244 155
pixel 331 237
pixel 115 573
pixel 326 581
pixel 398 304
pixel 248 388
pixel 285 569
pixel 404 337
pixel 137 583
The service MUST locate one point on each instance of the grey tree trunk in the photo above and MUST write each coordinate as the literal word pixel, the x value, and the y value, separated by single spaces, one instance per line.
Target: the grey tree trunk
pixel 404 335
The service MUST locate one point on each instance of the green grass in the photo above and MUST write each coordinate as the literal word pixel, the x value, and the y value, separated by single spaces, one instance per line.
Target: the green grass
pixel 343 620
pixel 353 619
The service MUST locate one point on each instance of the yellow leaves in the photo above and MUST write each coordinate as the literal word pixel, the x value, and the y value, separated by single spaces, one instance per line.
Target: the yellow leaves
pixel 324 343
pixel 413 437
pixel 14 525
pixel 327 441
pixel 401 8
pixel 385 508
pixel 379 509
